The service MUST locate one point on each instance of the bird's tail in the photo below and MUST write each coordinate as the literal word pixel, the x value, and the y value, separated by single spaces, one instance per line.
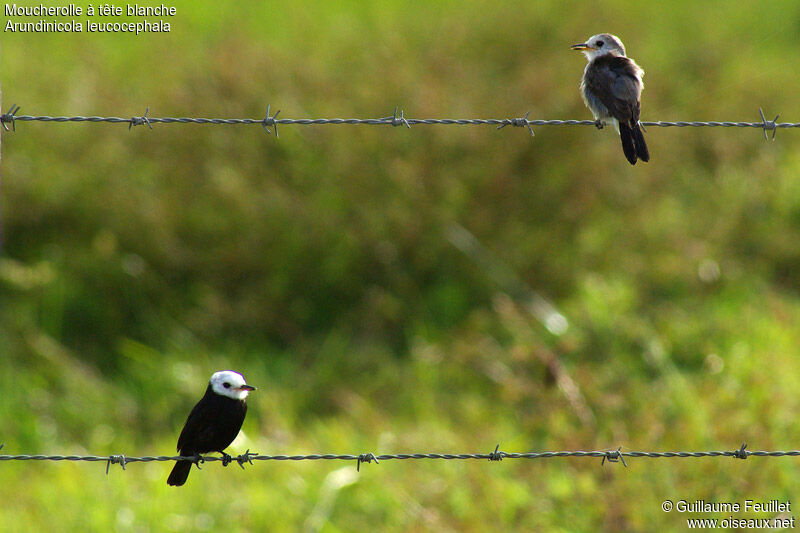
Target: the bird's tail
pixel 179 474
pixel 626 135
pixel 638 141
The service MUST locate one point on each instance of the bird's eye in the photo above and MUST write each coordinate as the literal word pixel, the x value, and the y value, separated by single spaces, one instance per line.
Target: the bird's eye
pixel 226 385
pixel 599 44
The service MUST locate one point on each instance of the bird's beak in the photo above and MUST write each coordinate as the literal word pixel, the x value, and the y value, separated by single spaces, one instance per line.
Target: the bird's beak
pixel 582 46
pixel 247 388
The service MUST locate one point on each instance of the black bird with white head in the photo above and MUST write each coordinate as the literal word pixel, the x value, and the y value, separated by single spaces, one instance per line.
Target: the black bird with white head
pixel 213 423
pixel 611 88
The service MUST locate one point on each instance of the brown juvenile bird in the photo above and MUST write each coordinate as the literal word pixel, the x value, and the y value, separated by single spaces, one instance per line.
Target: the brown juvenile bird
pixel 611 87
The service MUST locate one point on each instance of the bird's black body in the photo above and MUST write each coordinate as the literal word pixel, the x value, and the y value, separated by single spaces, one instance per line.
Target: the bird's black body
pixel 611 87
pixel 211 427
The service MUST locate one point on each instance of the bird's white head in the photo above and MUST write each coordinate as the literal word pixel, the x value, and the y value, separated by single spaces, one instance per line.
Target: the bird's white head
pixel 600 45
pixel 231 384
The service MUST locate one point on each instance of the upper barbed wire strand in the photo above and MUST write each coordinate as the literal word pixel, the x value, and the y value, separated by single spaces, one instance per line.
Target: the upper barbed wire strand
pixel 396 119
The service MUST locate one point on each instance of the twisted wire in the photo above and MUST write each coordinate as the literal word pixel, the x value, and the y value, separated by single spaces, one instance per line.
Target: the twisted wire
pixel 396 119
pixel 496 455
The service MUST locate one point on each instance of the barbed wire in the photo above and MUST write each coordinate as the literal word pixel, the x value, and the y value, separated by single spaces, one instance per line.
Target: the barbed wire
pixel 396 119
pixel 248 457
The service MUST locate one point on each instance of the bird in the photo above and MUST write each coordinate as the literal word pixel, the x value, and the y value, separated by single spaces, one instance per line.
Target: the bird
pixel 611 88
pixel 213 423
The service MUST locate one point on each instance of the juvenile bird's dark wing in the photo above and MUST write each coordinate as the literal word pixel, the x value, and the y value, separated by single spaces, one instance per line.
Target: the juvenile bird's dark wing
pixel 615 82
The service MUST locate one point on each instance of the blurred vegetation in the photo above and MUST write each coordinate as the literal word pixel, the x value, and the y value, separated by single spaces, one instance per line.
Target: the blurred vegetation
pixel 136 263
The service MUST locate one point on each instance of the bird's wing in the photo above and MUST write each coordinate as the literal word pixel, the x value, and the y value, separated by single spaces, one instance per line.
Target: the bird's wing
pixel 615 81
pixel 193 426
pixel 212 425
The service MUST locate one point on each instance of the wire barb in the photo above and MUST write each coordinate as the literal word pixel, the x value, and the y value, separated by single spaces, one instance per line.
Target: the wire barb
pixel 270 121
pixel 496 455
pixel 614 456
pixel 769 124
pixel 521 122
pixel 10 116
pixel 246 457
pixel 138 121
pixel 398 120
pixel 365 458
pixel 741 453
pixel 116 460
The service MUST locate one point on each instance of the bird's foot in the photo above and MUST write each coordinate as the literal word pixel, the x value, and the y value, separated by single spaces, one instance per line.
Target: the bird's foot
pixel 226 459
pixel 197 460
pixel 599 124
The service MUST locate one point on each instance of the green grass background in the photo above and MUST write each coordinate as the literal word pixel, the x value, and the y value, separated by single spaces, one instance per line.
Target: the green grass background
pixel 136 263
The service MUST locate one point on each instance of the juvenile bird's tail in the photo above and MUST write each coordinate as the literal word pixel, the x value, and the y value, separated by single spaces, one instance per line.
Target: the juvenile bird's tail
pixel 638 141
pixel 633 142
pixel 628 145
pixel 179 474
